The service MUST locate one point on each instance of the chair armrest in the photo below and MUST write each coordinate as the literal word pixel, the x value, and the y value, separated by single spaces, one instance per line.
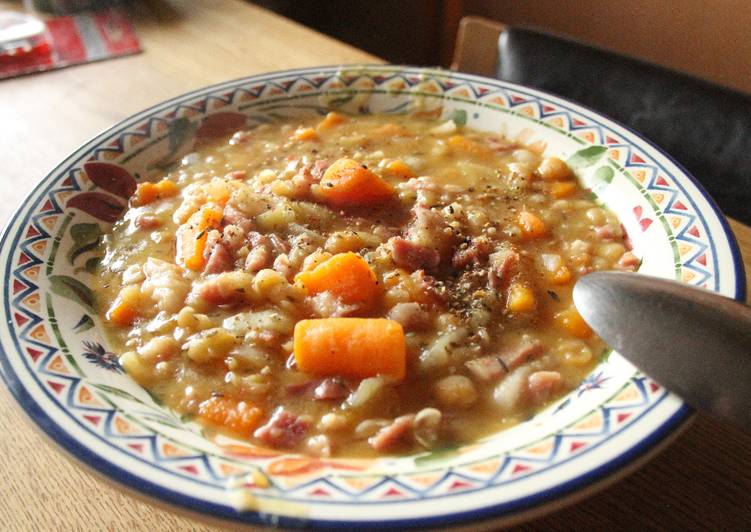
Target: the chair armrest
pixel 476 50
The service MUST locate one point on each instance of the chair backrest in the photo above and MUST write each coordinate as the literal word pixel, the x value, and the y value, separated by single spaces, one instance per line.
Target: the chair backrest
pixel 707 128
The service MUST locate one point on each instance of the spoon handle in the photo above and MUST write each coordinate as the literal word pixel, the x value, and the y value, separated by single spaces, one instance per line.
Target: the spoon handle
pixel 694 342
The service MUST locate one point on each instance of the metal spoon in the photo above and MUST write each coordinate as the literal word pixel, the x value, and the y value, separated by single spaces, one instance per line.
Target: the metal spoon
pixel 694 342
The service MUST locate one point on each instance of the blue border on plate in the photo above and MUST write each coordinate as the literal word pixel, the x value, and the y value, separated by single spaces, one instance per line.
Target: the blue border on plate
pixel 508 508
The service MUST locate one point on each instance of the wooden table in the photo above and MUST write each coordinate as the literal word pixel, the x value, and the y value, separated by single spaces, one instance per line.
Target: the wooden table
pixel 702 481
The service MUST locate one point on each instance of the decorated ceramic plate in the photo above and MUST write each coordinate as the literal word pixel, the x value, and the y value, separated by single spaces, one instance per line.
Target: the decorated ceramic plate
pixel 59 365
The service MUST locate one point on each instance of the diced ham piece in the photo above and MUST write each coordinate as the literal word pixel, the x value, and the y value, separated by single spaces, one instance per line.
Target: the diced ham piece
pixel 516 356
pixel 393 435
pixel 410 315
pixel 220 259
pixel 330 390
pixel 542 384
pixel 260 255
pixel 225 288
pixel 487 369
pixel 301 388
pixel 301 183
pixel 407 254
pixel 604 232
pixel 233 216
pixel 258 259
pixel 147 221
pixel 427 238
pixel 237 174
pixel 319 168
pixel 306 177
pixel 212 237
pixel 503 262
pixel 628 261
pixel 278 245
pixel 431 292
pixel 284 429
pixel 475 253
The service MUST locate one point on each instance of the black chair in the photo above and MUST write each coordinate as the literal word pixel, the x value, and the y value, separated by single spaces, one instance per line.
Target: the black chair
pixel 705 127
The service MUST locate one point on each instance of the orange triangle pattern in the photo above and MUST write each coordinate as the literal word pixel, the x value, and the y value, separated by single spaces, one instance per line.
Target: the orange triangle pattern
pixel 123 426
pixel 32 273
pixel 32 301
pixel 486 467
pixel 228 470
pixel 687 276
pixel 58 366
pixel 591 422
pixel 541 448
pixel 628 395
pixel 425 480
pixel 39 333
pixel 50 221
pixel 85 397
pixel 360 483
pixel 172 451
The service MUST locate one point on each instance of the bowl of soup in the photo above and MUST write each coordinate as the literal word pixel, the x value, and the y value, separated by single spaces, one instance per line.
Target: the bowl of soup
pixel 341 296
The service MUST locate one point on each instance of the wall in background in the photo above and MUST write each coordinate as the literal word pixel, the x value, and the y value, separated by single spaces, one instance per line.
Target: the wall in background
pixel 400 31
pixel 707 38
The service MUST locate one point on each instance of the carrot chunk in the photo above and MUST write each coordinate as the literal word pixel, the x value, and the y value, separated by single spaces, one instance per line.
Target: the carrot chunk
pixel 238 416
pixel 191 237
pixel 122 314
pixel 562 275
pixel 461 143
pixel 345 275
pixel 562 189
pixel 571 321
pixel 306 133
pixel 391 130
pixel 125 309
pixel 350 347
pixel 347 183
pixel 520 298
pixel 149 192
pixel 330 120
pixel 400 169
pixel 532 227
pixel 554 169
